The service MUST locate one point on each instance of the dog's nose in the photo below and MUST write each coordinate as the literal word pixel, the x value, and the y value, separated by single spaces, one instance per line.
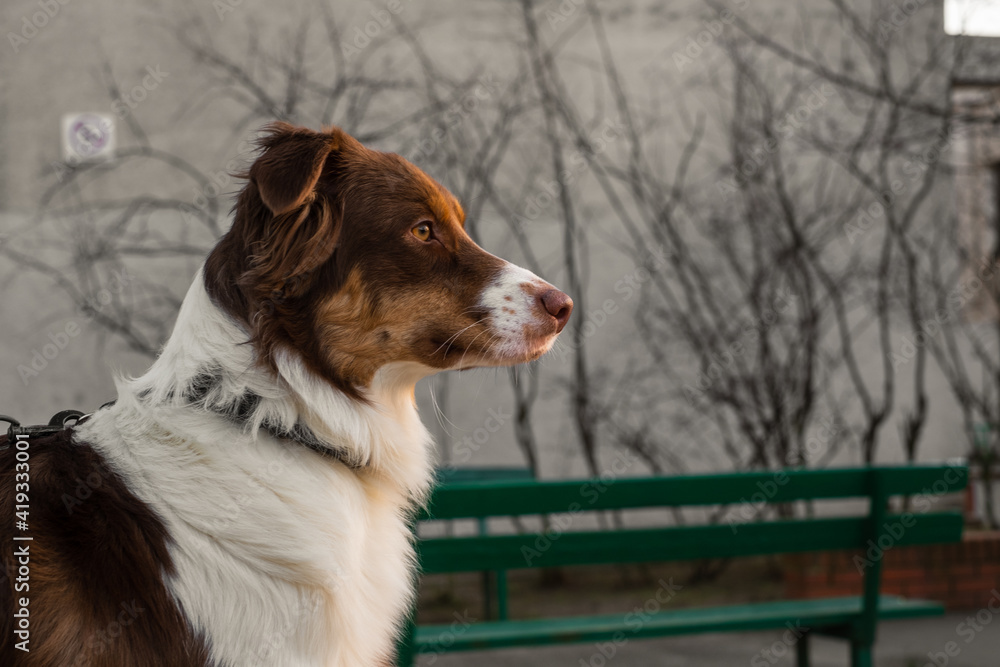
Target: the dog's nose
pixel 558 305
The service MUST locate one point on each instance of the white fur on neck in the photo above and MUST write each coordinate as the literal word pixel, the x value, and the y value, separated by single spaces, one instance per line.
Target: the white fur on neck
pixel 205 339
pixel 283 557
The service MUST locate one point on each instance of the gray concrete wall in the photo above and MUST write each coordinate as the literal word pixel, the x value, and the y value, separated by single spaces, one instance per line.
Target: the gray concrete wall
pixel 58 69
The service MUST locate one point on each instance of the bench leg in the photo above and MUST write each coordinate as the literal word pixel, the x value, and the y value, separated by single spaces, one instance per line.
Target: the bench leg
pixel 802 651
pixel 405 648
pixel 501 594
pixel 861 655
pixel 487 586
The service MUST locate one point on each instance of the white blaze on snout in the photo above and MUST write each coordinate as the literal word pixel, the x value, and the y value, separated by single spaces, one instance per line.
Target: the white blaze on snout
pixel 516 316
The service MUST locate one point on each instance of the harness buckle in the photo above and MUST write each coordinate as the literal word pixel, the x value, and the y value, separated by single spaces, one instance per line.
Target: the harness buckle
pixel 61 420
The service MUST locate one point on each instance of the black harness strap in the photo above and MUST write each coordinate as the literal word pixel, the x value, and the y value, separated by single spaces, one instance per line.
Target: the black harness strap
pixel 60 421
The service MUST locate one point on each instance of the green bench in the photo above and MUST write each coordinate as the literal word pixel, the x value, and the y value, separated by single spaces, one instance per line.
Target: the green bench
pixel 850 618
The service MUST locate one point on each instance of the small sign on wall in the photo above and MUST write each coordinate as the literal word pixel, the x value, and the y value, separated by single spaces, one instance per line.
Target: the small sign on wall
pixel 87 136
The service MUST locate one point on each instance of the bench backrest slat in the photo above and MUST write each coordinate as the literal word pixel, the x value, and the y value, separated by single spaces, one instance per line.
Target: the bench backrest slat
pixel 501 552
pixel 508 498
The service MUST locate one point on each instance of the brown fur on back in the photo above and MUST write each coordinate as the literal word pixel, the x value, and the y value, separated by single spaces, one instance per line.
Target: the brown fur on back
pixel 97 561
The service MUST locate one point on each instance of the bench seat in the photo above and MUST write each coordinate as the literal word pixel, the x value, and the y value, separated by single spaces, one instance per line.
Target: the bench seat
pixel 810 614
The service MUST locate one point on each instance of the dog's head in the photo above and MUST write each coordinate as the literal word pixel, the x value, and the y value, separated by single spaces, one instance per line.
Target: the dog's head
pixel 355 259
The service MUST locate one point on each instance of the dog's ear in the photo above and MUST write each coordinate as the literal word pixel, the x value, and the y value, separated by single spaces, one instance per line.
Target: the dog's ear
pixel 298 227
pixel 290 165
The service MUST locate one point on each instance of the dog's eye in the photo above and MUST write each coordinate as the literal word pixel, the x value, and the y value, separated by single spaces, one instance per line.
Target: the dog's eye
pixel 422 231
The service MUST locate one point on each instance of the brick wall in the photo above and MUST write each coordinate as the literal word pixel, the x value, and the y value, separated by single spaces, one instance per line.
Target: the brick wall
pixel 962 575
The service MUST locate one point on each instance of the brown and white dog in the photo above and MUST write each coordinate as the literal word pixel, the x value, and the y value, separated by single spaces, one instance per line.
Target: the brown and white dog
pixel 245 502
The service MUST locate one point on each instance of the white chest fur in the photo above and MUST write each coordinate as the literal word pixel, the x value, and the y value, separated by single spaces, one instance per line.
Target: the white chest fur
pixel 283 557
